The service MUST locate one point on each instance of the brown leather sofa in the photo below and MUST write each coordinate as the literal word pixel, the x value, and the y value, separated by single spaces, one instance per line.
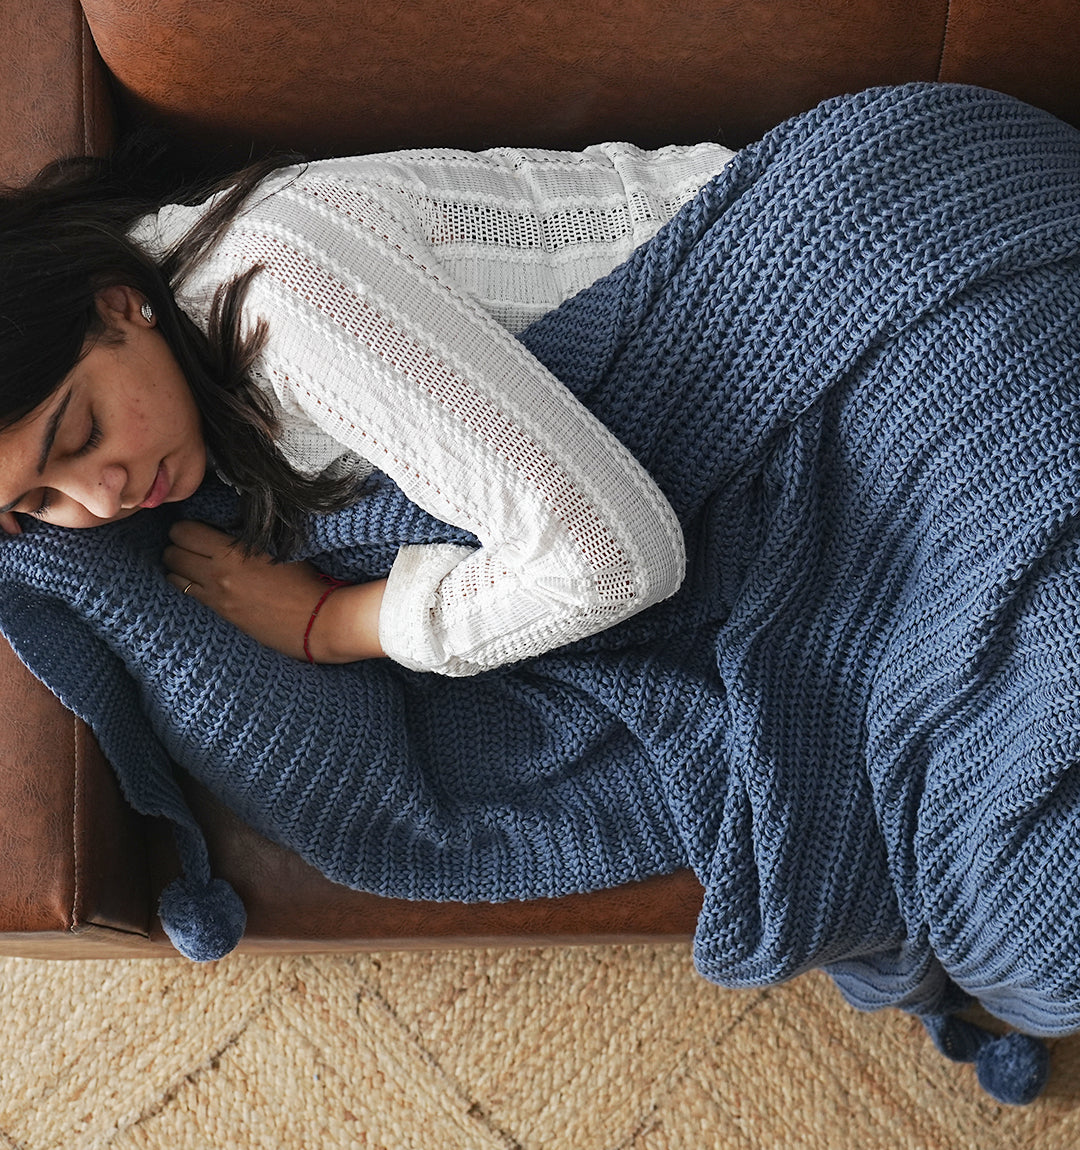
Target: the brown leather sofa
pixel 79 871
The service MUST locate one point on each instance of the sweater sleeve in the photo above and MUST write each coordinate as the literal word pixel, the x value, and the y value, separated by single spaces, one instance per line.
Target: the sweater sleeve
pixel 374 341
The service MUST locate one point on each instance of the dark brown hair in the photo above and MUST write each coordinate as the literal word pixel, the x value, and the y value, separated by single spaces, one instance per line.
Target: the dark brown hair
pixel 65 236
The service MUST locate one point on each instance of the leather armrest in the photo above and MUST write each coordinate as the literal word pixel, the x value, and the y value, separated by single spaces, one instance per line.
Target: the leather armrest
pixel 73 852
pixel 53 87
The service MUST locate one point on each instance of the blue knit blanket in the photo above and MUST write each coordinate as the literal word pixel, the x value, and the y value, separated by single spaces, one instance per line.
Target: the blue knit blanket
pixel 853 365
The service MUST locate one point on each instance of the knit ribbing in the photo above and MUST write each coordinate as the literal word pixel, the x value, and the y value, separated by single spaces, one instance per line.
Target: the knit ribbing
pixel 851 365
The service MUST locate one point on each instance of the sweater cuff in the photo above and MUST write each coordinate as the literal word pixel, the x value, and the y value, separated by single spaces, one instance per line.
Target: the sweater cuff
pixel 406 627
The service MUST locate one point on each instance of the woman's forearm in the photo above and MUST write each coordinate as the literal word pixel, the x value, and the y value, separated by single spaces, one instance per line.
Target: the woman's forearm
pixel 346 627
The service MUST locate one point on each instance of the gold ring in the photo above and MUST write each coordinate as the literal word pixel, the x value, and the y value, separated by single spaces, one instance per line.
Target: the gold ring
pixel 189 587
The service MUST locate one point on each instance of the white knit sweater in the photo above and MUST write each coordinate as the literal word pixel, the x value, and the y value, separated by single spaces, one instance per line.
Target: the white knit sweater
pixel 392 285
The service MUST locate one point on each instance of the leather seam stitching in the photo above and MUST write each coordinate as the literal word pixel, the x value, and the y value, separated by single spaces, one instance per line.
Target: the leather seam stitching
pixel 944 39
pixel 75 853
pixel 84 73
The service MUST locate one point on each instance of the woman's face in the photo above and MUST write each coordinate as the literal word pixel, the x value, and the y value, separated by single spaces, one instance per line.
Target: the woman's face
pixel 120 433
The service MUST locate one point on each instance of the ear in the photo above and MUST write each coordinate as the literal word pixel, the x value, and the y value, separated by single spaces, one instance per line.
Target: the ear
pixel 118 303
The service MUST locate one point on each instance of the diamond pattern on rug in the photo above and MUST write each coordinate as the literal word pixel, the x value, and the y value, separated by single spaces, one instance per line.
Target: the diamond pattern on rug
pixel 590 1048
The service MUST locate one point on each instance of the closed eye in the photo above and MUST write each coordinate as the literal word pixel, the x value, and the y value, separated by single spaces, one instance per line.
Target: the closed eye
pixel 92 440
pixel 42 509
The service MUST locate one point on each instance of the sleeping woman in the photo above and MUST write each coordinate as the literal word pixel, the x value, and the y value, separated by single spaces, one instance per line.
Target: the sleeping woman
pixel 734 499
pixel 312 323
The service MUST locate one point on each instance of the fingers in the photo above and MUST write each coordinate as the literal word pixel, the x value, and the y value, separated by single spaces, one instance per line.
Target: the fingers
pixel 185 586
pixel 206 564
pixel 188 558
pixel 200 538
pixel 186 571
pixel 182 562
pixel 194 548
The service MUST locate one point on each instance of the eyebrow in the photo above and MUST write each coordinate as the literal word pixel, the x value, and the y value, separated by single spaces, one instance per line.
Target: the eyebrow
pixel 47 442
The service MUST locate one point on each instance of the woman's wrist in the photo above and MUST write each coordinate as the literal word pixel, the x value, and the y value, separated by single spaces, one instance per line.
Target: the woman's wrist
pixel 346 627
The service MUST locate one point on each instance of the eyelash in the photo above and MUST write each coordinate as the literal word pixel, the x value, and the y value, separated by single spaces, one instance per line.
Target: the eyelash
pixel 39 512
pixel 92 440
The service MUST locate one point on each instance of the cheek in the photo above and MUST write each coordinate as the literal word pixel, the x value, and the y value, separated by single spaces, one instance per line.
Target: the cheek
pixel 69 513
pixel 135 426
pixel 176 415
pixel 187 412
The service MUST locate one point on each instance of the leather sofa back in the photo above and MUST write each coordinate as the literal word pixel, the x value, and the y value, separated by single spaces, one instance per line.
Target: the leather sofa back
pixel 355 75
pixel 362 76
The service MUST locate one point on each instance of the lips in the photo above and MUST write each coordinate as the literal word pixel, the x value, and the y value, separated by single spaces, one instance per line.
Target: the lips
pixel 159 490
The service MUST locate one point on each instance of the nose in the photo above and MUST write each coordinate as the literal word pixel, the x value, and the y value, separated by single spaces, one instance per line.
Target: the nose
pixel 99 489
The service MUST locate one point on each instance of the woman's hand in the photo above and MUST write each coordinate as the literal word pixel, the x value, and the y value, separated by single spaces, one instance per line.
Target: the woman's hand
pixel 273 602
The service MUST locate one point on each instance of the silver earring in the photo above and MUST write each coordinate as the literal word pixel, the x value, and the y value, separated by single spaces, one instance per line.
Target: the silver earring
pixel 147 312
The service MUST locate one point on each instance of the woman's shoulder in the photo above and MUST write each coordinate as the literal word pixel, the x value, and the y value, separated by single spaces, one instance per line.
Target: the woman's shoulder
pixel 510 175
pixel 520 175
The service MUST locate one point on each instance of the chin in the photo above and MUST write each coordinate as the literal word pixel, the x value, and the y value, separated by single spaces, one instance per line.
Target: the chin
pixel 185 488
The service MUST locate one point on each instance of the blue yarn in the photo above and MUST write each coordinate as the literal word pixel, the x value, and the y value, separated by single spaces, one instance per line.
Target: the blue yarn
pixel 203 921
pixel 956 1038
pixel 852 364
pixel 1013 1068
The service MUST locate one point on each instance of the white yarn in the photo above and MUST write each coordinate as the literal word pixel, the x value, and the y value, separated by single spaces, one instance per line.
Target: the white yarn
pixel 392 285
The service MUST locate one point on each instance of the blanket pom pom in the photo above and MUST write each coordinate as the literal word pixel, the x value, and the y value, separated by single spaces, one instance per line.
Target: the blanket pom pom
pixel 1013 1068
pixel 204 922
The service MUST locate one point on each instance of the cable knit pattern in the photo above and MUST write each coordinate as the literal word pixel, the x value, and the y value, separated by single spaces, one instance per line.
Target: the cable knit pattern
pixel 390 285
pixel 851 365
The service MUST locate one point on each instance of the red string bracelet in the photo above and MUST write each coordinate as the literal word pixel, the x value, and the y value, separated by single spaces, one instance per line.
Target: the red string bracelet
pixel 332 585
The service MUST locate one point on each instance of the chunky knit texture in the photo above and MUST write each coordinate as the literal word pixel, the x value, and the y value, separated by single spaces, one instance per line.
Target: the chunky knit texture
pixel 852 366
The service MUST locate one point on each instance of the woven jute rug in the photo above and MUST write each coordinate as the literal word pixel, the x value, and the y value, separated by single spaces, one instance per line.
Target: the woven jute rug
pixel 584 1048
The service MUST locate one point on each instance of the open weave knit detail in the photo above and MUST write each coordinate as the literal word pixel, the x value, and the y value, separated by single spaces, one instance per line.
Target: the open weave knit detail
pixel 461 403
pixel 374 341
